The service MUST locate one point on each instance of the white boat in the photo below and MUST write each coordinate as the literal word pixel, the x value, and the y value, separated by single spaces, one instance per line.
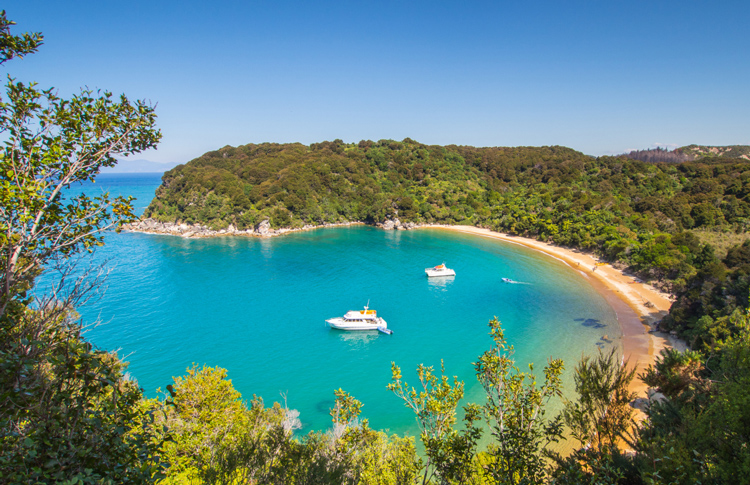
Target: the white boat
pixel 359 320
pixel 439 270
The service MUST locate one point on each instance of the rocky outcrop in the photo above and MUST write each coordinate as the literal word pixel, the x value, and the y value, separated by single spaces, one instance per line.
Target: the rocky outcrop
pixel 396 224
pixel 181 229
pixel 389 224
pixel 263 229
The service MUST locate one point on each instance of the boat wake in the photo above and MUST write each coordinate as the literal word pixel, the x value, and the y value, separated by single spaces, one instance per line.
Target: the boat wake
pixel 514 282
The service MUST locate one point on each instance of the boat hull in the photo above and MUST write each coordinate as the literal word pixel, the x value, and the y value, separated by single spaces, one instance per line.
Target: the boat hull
pixel 341 324
pixel 431 273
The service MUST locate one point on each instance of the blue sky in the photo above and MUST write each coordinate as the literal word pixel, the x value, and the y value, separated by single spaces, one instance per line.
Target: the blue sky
pixel 601 77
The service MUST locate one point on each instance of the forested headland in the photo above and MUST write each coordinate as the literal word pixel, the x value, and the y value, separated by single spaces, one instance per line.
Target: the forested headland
pixel 70 413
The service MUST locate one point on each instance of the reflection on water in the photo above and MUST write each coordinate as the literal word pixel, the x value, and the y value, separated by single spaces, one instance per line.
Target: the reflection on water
pixel 266 247
pixel 441 283
pixel 357 339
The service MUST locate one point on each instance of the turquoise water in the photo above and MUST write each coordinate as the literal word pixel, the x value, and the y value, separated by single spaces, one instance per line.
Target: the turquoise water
pixel 257 308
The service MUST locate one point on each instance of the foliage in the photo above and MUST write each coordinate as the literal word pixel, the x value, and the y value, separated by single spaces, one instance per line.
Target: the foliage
pixel 660 155
pixel 68 413
pixel 600 420
pixel 49 144
pixel 515 414
pixel 710 305
pixel 449 452
pixel 216 438
pixel 700 433
pixel 16 45
pixel 602 413
pixel 205 410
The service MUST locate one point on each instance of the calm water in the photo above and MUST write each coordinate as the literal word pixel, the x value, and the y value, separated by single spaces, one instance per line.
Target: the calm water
pixel 257 308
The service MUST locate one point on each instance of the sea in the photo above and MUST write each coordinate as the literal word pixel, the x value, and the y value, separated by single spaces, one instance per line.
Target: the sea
pixel 257 308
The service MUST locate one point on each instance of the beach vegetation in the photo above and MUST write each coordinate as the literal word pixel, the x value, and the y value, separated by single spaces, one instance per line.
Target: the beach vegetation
pixel 699 433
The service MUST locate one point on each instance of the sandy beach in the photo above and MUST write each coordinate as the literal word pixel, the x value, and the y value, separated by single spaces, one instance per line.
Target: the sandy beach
pixel 638 305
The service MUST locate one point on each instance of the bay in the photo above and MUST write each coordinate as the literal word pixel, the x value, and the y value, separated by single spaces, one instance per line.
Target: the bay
pixel 257 308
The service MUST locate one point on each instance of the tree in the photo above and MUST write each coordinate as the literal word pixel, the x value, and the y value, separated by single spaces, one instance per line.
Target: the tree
pixel 16 45
pixel 68 412
pixel 51 143
pixel 450 453
pixel 515 413
pixel 599 420
pixel 602 414
pixel 219 440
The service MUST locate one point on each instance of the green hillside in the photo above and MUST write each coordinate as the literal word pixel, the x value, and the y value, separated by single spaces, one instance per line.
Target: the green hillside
pixel 625 209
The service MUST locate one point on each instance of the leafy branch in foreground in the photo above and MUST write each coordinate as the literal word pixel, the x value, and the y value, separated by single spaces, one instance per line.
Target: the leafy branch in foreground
pixel 602 413
pixel 68 412
pixel 515 413
pixel 449 452
pixel 600 420
pixel 16 45
pixel 50 144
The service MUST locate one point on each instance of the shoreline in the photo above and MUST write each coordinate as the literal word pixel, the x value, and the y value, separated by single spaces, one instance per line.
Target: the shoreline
pixel 638 306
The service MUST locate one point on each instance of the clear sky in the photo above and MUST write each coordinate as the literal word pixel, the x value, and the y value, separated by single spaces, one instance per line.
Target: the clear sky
pixel 602 77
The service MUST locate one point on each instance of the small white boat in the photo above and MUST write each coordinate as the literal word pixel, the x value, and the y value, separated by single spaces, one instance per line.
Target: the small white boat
pixel 359 320
pixel 508 280
pixel 439 270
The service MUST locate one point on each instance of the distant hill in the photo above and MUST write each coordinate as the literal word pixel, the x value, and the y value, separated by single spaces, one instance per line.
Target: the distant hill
pixel 139 166
pixel 690 153
pixel 731 151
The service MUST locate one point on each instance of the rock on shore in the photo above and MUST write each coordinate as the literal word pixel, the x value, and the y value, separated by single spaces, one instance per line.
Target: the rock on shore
pixel 263 229
pixel 391 224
